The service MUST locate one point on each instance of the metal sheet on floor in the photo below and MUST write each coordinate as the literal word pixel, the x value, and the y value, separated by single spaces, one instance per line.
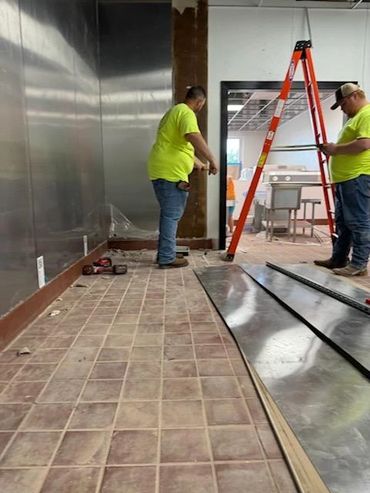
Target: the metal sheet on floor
pixel 324 399
pixel 347 328
pixel 327 282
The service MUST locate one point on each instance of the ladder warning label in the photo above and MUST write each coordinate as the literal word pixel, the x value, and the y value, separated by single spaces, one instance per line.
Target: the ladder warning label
pixel 262 159
pixel 279 108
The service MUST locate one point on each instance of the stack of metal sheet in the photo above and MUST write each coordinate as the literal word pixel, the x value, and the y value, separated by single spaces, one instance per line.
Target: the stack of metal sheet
pixel 311 351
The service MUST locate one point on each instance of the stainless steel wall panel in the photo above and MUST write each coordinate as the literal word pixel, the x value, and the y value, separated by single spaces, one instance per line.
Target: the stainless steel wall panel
pixel 136 89
pixel 52 176
pixel 89 130
pixel 60 56
pixel 17 249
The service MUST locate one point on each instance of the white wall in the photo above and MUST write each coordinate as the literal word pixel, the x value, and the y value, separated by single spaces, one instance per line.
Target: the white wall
pixel 299 131
pixel 251 145
pixel 255 44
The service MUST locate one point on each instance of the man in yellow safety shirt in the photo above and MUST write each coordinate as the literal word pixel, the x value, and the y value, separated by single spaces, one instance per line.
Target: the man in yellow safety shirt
pixel 170 162
pixel 350 172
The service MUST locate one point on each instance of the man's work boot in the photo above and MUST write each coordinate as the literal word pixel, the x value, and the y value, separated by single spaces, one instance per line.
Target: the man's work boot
pixel 330 264
pixel 178 255
pixel 350 271
pixel 178 262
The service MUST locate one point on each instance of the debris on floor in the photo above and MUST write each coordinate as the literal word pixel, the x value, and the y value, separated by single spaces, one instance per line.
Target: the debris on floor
pixel 54 313
pixel 22 351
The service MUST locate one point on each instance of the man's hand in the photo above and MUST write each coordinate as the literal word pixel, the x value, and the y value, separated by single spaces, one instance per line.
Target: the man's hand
pixel 213 169
pixel 329 149
pixel 199 165
pixel 354 147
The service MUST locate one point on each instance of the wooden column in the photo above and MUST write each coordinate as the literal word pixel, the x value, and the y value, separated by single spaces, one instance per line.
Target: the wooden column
pixel 190 38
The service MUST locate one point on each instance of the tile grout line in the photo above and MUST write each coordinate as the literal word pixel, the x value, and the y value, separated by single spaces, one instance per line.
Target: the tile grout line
pixel 252 422
pixel 17 431
pixel 30 326
pixel 120 398
pixel 206 427
pixel 159 444
pixel 65 429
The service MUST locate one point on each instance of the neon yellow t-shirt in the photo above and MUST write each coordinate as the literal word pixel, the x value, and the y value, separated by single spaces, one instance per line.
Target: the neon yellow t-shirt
pixel 172 156
pixel 344 167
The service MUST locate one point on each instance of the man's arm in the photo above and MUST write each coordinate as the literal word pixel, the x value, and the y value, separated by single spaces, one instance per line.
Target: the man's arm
pixel 202 148
pixel 198 164
pixel 353 147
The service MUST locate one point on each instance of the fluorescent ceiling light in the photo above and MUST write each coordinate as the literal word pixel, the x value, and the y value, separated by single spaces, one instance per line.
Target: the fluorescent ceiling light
pixel 234 107
pixel 265 95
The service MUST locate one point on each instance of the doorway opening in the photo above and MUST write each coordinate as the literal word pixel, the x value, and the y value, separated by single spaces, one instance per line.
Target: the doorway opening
pixel 246 112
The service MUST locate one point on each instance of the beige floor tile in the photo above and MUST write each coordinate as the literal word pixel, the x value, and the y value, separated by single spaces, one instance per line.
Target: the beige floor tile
pixel 144 369
pixel 137 414
pixel 22 392
pixel 21 480
pixel 129 479
pixel 11 415
pixel 114 354
pixel 61 391
pixel 143 388
pixel 102 390
pixel 184 446
pixel 66 480
pixel 176 414
pixel 226 412
pixel 178 353
pixel 235 443
pixel 94 415
pixel 215 367
pixel 47 417
pixel 107 371
pixel 181 388
pixel 146 353
pixel 219 387
pixel 186 478
pixel 177 369
pixel 235 477
pixel 133 447
pixel 83 448
pixel 31 449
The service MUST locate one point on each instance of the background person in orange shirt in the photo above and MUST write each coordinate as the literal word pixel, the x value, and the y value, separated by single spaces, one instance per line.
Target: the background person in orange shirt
pixel 230 203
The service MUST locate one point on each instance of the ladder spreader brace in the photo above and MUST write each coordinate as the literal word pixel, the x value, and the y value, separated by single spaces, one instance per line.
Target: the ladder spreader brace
pixel 302 52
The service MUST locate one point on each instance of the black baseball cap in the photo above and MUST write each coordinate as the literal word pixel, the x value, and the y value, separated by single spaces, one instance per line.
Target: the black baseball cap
pixel 344 91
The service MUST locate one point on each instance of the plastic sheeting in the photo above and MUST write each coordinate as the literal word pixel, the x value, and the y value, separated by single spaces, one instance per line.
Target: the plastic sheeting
pixel 122 227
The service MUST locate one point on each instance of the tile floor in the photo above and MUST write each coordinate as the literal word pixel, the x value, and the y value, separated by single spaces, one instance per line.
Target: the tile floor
pixel 137 387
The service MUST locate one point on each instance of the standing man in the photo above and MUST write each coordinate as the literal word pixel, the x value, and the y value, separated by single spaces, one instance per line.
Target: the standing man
pixel 350 171
pixel 171 161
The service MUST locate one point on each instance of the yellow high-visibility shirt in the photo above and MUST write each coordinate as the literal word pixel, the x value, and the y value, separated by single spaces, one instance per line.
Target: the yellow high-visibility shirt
pixel 344 167
pixel 172 156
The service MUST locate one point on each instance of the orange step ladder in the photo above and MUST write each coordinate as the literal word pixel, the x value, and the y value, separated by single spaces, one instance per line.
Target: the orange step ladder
pixel 302 52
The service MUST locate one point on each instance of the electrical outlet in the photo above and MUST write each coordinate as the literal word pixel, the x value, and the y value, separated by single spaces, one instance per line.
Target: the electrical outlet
pixel 40 271
pixel 86 248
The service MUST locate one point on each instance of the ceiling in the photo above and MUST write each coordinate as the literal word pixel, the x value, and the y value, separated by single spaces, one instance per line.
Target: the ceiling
pixel 253 110
pixel 314 4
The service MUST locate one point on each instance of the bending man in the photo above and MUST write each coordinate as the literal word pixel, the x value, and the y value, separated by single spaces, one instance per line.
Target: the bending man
pixel 171 160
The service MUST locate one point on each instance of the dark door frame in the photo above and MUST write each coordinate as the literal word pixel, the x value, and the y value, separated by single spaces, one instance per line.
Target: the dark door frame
pixel 227 86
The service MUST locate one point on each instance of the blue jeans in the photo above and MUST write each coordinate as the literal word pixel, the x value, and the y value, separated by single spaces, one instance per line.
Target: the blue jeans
pixel 172 202
pixel 352 218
